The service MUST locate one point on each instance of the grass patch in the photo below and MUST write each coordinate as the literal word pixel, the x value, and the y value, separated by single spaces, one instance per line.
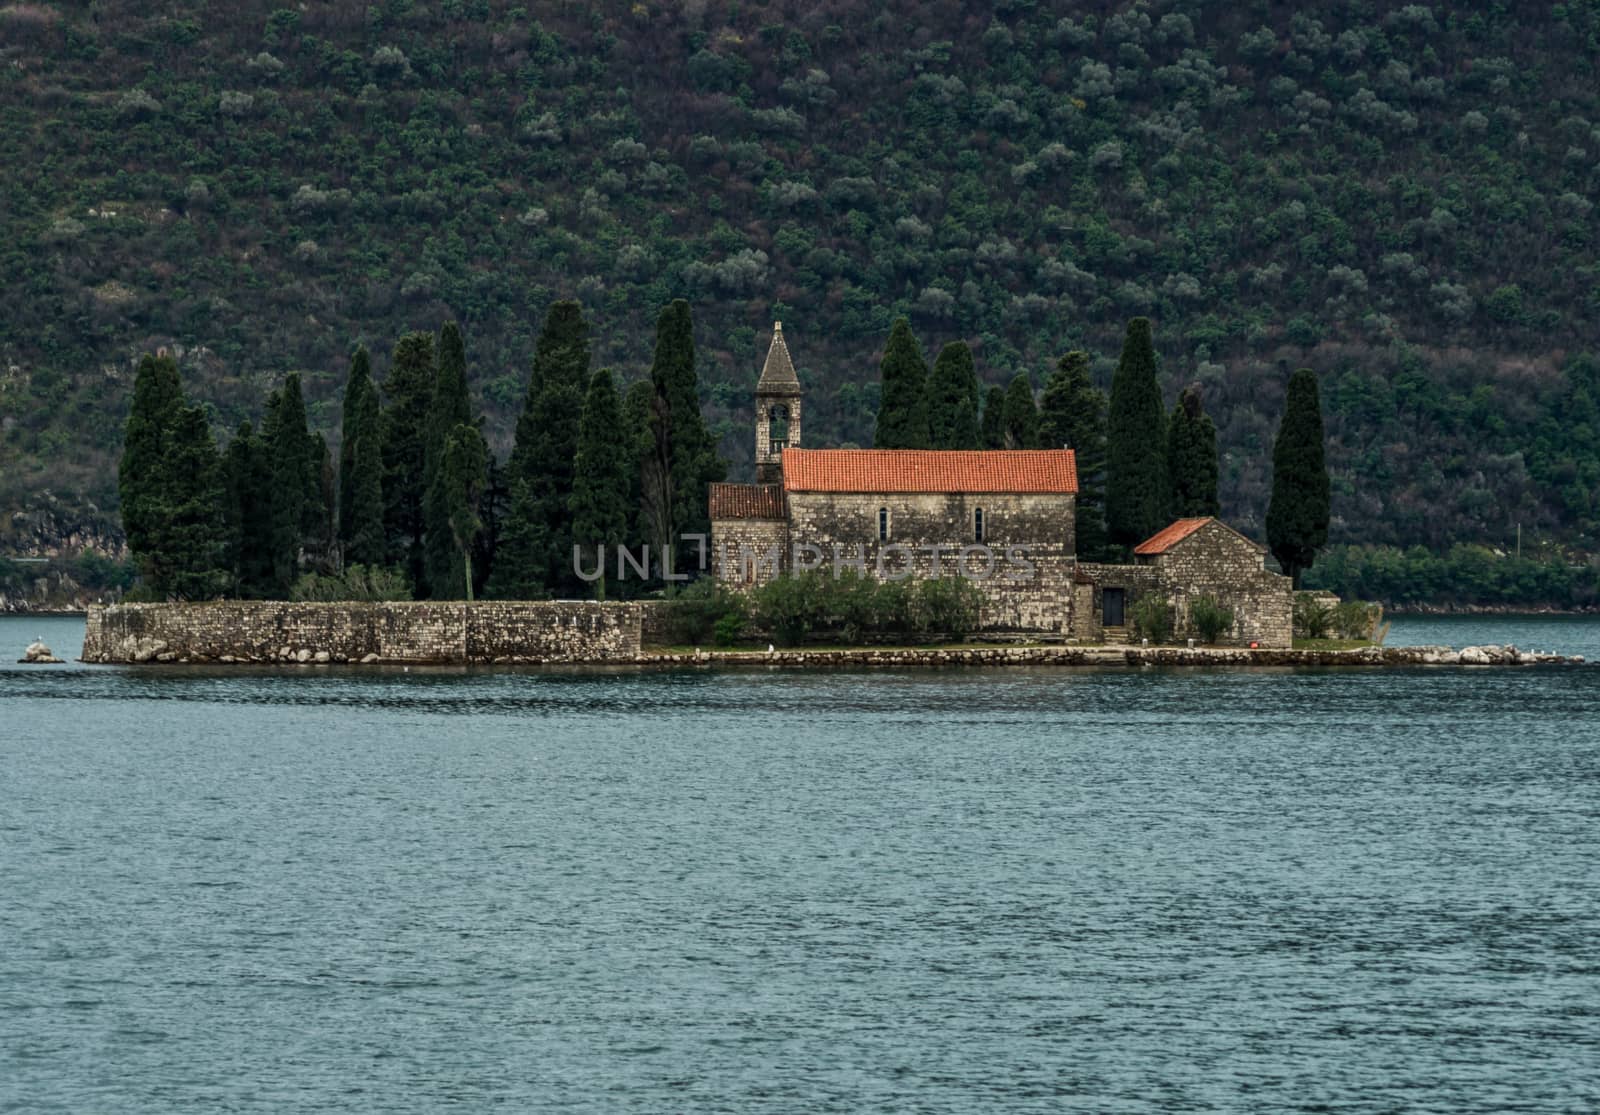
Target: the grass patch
pixel 1331 644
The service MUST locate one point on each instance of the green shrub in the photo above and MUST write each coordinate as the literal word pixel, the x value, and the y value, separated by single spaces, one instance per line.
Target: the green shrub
pixel 726 631
pixel 1153 618
pixel 1356 619
pixel 951 606
pixel 791 607
pixel 1210 618
pixel 365 583
pixel 853 605
pixel 1312 617
pixel 704 611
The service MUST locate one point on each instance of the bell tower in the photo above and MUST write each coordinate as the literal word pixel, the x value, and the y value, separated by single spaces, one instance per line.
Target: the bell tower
pixel 777 410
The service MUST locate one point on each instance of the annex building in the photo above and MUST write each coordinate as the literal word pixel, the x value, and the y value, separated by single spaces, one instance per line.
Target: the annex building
pixel 1002 518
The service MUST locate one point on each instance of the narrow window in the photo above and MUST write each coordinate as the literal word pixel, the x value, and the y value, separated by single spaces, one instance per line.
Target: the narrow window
pixel 977 525
pixel 778 428
pixel 883 524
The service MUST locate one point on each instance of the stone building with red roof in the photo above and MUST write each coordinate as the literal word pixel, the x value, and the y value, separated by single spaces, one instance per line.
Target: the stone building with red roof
pixel 1002 518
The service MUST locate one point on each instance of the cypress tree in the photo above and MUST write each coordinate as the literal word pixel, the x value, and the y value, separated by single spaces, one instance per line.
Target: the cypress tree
pixel 953 399
pixel 599 502
pixel 190 561
pixel 651 492
pixel 1297 516
pixel 249 494
pixel 460 473
pixel 1021 414
pixel 295 461
pixel 409 390
pixel 141 474
pixel 1072 415
pixel 903 410
pixel 451 407
pixel 361 531
pixel 1192 458
pixel 1136 468
pixel 535 551
pixel 683 444
pixel 993 428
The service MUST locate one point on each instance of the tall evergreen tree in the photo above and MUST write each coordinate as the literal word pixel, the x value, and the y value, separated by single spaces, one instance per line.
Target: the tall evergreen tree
pixel 191 560
pixel 460 474
pixel 534 555
pixel 1021 414
pixel 1301 504
pixel 683 444
pixel 142 474
pixel 171 488
pixel 599 503
pixel 361 531
pixel 992 428
pixel 451 407
pixel 295 457
pixel 409 390
pixel 953 399
pixel 903 409
pixel 1072 415
pixel 651 494
pixel 248 470
pixel 1192 458
pixel 1136 467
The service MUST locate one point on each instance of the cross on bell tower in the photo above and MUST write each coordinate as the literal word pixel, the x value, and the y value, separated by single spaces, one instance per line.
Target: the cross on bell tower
pixel 777 410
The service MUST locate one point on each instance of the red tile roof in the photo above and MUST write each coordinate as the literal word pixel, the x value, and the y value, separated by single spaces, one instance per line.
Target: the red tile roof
pixel 746 501
pixel 930 470
pixel 1164 540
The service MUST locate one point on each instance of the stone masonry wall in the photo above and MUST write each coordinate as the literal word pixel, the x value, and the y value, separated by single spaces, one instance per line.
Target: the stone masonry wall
pixel 1216 562
pixel 760 535
pixel 1036 599
pixel 1135 580
pixel 441 633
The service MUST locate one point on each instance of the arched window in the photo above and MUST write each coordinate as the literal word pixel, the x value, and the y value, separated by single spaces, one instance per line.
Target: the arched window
pixel 883 524
pixel 977 525
pixel 778 427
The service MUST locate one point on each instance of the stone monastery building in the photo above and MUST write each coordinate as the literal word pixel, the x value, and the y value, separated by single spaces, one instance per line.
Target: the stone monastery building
pixel 1003 518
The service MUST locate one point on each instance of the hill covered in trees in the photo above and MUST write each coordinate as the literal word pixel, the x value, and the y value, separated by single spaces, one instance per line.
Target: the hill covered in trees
pixel 1396 195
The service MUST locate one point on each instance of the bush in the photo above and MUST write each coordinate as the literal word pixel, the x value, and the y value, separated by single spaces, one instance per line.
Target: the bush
pixel 1356 619
pixel 791 607
pixel 704 611
pixel 1210 618
pixel 726 631
pixel 1153 619
pixel 364 583
pixel 952 605
pixel 852 605
pixel 1312 616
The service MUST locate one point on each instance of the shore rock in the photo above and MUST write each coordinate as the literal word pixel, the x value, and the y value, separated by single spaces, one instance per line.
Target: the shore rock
pixel 38 654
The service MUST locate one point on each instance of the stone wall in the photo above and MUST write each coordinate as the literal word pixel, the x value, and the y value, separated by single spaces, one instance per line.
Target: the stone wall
pixel 1214 561
pixel 1219 562
pixel 734 540
pixel 1030 591
pixel 1136 581
pixel 442 633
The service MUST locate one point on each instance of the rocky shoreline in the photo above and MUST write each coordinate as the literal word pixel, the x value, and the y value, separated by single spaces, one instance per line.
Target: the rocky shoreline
pixel 155 653
pixel 1117 656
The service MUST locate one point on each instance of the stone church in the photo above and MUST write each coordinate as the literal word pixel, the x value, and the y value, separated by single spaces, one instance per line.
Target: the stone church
pixel 1002 518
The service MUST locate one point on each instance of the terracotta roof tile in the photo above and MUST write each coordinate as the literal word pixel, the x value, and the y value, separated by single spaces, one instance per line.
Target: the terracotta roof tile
pixel 930 470
pixel 1168 537
pixel 746 501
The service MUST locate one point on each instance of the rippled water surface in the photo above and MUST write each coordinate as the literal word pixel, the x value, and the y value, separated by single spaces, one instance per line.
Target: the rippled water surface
pixel 940 891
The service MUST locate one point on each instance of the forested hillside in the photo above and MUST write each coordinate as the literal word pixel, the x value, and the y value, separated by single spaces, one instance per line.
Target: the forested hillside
pixel 1398 196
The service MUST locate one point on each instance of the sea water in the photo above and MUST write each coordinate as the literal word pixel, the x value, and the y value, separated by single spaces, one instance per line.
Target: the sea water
pixel 936 891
